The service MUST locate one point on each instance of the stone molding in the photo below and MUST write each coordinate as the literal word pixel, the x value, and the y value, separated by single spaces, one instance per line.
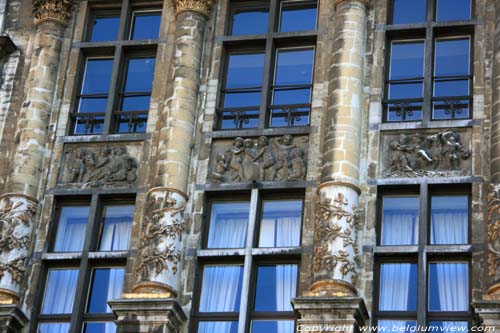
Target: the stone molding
pixel 487 313
pixel 365 2
pixel 12 319
pixel 200 6
pixel 58 11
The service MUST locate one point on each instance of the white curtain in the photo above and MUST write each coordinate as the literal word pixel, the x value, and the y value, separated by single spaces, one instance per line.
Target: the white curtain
pixel 453 286
pixel 288 231
pixel 116 235
pixel 218 326
pixel 53 328
pixel 70 235
pixel 396 325
pixel 220 290
pixel 395 287
pixel 399 229
pixel 286 287
pixel 115 287
pixel 449 227
pixel 227 233
pixel 60 291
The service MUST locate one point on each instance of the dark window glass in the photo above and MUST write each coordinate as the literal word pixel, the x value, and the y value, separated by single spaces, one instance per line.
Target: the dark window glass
pixel 276 286
pixel 53 327
pixel 105 28
pixel 296 16
pixel 228 225
pixel 409 11
pixel 448 326
pixel 94 96
pixel 221 288
pixel 449 219
pixel 451 79
pixel 292 88
pixel 448 287
pixel 272 326
pixel 243 91
pixel 107 284
pixel 60 291
pixel 281 223
pixel 397 325
pixel 449 10
pixel 99 328
pixel 117 225
pixel 146 25
pixel 406 81
pixel 136 95
pixel 400 221
pixel 71 228
pixel 218 326
pixel 398 287
pixel 250 21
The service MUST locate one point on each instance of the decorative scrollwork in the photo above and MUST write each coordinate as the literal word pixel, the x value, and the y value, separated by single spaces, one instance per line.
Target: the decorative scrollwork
pixel 493 230
pixel 58 11
pixel 164 226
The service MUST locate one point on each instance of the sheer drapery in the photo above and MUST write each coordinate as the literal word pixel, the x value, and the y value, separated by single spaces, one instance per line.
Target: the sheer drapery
pixel 400 228
pixel 286 287
pixel 449 227
pixel 53 328
pixel 60 291
pixel 228 225
pixel 218 326
pixel 281 223
pixel 117 227
pixel 220 291
pixel 396 325
pixel 272 326
pixel 115 287
pixel 71 229
pixel 396 291
pixel 452 287
pixel 449 326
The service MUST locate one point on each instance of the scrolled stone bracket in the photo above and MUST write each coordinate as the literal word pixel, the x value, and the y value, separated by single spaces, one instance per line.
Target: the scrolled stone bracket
pixel 17 214
pixel 200 6
pixel 58 11
pixel 159 250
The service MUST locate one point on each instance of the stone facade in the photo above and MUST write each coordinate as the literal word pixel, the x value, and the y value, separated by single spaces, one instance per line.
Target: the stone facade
pixel 340 161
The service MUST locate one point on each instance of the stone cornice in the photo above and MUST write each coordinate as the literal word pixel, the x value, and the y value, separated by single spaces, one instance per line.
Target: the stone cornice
pixel 58 11
pixel 366 2
pixel 201 6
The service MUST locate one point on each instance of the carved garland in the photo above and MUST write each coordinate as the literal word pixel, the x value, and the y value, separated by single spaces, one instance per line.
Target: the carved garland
pixel 328 230
pixel 493 230
pixel 151 259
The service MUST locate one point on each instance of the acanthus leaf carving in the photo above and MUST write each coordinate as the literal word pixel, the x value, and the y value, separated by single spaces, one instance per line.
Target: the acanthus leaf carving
pixel 261 159
pixel 493 216
pixel 432 155
pixel 58 11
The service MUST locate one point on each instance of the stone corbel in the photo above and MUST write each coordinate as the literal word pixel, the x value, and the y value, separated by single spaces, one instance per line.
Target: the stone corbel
pixel 201 6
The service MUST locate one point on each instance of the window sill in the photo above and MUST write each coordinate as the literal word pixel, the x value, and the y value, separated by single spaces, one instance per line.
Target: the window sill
pixel 105 138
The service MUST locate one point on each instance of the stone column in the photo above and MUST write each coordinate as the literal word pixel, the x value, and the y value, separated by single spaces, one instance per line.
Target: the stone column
pixel 334 265
pixel 159 251
pixel 19 204
pixel 332 299
pixel 493 252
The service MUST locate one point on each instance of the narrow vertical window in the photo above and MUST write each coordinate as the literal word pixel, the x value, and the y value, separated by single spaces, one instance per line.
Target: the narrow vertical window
pixel 71 228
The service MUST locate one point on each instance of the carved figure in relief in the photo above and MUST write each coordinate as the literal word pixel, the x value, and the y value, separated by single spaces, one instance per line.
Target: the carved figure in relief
pixel 261 159
pixel 432 155
pixel 100 166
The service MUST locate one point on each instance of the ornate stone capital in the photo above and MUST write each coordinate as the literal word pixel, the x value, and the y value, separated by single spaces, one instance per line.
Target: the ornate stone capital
pixel 58 11
pixel 201 6
pixel 366 2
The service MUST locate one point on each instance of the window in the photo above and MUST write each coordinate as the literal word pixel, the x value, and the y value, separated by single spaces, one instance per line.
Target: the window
pixel 118 63
pixel 79 284
pixel 429 67
pixel 422 260
pixel 268 72
pixel 249 286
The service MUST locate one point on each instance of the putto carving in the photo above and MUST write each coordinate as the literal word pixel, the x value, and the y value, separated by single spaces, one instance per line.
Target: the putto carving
pixel 159 248
pixel 58 11
pixel 433 155
pixel 493 230
pixel 266 159
pixel 16 221
pixel 327 230
pixel 201 6
pixel 98 166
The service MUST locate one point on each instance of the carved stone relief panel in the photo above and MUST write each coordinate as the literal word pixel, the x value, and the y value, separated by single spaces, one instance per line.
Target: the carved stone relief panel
pixel 99 165
pixel 261 159
pixel 445 153
pixel 494 232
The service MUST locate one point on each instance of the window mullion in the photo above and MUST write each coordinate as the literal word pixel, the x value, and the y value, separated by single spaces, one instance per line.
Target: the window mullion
pixel 247 270
pixel 267 83
pixel 112 97
pixel 428 76
pixel 422 259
